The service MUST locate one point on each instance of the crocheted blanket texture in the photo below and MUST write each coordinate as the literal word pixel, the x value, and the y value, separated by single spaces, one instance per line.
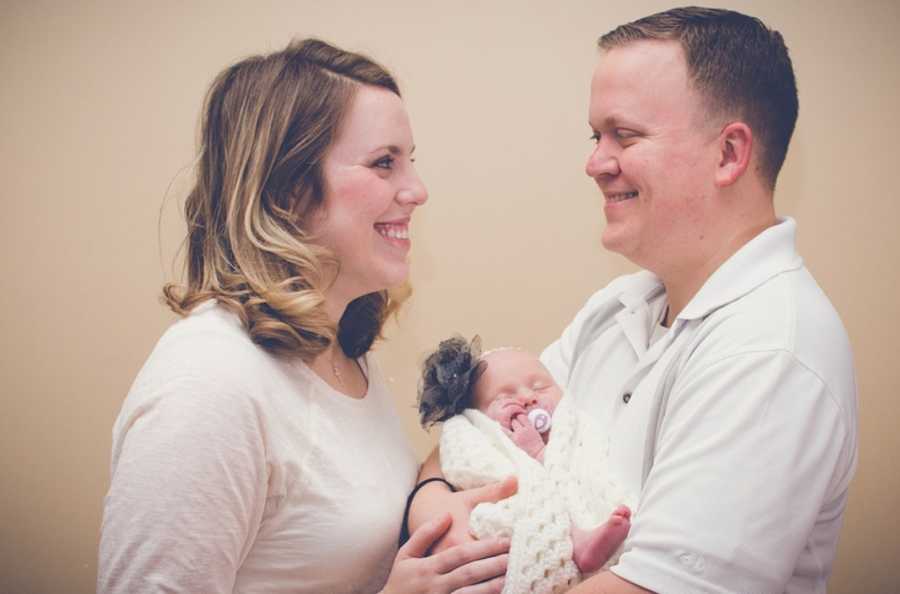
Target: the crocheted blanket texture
pixel 572 486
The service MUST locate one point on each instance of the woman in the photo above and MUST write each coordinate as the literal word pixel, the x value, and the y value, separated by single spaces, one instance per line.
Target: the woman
pixel 258 450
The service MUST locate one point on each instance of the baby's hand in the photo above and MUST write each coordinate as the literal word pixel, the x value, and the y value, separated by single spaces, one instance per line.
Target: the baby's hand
pixel 527 437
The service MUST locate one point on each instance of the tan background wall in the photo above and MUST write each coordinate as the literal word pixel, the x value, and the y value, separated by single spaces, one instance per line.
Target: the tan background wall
pixel 98 113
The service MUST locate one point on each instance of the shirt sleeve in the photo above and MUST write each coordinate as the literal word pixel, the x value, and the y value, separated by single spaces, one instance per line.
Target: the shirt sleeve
pixel 558 356
pixel 751 450
pixel 187 493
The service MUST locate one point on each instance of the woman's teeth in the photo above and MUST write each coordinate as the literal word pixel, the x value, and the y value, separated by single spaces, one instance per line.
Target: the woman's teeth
pixel 393 231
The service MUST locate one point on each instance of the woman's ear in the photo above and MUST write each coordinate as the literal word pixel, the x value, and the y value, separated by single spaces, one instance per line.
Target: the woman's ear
pixel 735 152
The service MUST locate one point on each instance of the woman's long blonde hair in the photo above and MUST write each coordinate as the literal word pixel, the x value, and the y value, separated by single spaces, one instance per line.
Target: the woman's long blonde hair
pixel 267 124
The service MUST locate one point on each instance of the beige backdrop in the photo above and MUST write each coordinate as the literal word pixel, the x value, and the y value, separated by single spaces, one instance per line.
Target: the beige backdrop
pixel 99 104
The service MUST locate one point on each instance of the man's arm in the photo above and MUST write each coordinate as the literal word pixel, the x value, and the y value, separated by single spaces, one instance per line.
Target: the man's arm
pixel 607 582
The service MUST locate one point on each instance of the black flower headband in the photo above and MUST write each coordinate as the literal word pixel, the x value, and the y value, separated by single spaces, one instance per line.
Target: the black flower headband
pixel 448 378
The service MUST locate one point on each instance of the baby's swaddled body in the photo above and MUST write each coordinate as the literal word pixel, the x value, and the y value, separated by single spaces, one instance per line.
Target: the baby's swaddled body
pixel 571 488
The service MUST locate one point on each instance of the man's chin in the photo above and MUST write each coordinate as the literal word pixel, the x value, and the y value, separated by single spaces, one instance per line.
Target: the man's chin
pixel 613 240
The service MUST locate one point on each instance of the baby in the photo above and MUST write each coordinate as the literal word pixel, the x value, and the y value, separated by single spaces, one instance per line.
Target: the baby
pixel 513 388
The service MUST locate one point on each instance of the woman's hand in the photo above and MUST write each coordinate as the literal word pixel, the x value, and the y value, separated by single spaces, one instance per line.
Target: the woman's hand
pixel 436 499
pixel 474 568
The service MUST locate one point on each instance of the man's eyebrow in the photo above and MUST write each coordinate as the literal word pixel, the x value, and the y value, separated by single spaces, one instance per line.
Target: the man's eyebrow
pixel 610 121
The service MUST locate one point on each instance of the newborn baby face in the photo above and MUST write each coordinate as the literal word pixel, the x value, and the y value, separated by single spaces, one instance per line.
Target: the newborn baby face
pixel 513 383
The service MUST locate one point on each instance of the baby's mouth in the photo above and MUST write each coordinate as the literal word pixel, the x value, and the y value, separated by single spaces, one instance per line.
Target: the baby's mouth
pixel 512 411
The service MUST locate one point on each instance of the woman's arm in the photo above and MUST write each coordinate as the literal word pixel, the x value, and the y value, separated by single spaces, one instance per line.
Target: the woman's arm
pixel 187 492
pixel 435 499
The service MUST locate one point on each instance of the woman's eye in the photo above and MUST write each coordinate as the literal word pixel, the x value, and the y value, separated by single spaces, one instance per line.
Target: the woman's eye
pixel 386 162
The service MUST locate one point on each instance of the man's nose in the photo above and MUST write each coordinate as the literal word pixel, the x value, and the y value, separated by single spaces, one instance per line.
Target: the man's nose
pixel 601 162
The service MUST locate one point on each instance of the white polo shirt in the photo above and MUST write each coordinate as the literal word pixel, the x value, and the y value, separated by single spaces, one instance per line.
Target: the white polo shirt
pixel 735 430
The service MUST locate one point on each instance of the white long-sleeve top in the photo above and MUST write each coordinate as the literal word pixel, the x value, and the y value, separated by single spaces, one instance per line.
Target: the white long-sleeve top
pixel 237 472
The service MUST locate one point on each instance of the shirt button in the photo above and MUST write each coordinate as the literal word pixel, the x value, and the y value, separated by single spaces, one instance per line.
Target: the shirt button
pixel 626 398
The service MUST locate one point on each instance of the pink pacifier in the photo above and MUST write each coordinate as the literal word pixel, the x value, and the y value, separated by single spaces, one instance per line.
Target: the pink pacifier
pixel 540 419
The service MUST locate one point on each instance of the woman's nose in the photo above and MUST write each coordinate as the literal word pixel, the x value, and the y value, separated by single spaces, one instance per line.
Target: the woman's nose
pixel 414 192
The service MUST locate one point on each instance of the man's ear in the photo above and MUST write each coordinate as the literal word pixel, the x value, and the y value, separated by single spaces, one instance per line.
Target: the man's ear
pixel 735 152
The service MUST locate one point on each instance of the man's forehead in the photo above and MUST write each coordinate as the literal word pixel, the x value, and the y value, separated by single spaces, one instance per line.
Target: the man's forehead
pixel 641 75
pixel 639 64
pixel 645 51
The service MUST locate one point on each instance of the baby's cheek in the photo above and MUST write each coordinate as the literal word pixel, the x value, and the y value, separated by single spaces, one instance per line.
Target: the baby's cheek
pixel 495 412
pixel 552 401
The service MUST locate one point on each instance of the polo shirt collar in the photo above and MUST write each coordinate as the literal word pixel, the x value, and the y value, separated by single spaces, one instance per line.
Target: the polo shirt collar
pixel 634 317
pixel 770 253
pixel 643 288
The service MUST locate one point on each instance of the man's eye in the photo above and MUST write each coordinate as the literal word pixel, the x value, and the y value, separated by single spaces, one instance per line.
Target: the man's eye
pixel 386 162
pixel 595 137
pixel 625 134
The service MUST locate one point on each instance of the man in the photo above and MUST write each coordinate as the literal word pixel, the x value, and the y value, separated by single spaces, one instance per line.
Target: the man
pixel 720 376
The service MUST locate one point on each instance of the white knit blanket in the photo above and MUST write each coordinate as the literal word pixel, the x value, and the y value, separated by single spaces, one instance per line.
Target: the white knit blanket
pixel 571 487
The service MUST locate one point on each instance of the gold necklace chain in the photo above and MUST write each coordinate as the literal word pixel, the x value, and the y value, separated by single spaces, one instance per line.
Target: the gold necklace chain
pixel 336 371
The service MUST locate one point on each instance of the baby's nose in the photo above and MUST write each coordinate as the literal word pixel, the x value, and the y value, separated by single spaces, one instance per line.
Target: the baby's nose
pixel 527 397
